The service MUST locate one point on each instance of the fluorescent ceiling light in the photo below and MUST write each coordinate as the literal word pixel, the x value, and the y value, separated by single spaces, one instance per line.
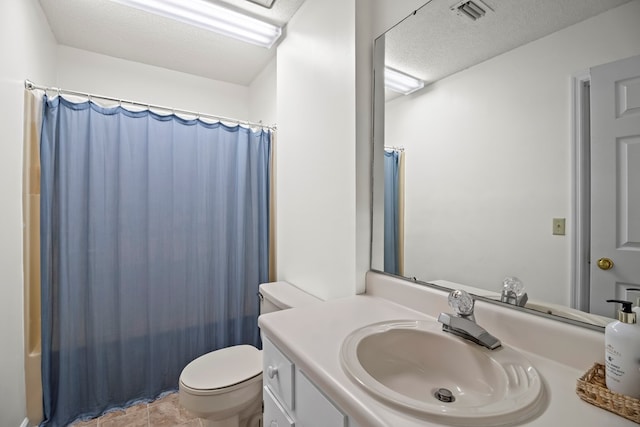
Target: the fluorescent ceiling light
pixel 400 82
pixel 209 16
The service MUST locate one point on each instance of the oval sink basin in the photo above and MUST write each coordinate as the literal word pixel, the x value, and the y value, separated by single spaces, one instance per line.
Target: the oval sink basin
pixel 415 366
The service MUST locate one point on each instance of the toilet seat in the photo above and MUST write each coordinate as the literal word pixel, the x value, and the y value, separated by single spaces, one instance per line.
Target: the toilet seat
pixel 223 370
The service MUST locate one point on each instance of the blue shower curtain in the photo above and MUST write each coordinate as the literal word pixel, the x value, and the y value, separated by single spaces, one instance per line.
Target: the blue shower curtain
pixel 391 211
pixel 154 238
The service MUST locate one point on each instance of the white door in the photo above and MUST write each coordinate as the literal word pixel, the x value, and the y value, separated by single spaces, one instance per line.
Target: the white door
pixel 615 182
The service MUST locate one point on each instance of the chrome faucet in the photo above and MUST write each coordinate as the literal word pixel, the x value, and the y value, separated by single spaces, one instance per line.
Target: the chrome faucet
pixel 513 292
pixel 463 323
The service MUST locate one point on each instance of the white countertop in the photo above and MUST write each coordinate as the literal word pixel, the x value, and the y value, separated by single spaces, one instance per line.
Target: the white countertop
pixel 312 336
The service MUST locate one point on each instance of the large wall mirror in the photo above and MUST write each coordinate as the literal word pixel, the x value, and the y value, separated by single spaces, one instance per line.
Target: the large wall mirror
pixel 498 166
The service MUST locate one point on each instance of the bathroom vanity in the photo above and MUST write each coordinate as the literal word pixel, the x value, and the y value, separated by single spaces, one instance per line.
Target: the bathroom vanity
pixel 290 396
pixel 306 384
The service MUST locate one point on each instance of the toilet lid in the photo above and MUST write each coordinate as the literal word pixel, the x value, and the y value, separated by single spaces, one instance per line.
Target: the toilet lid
pixel 223 368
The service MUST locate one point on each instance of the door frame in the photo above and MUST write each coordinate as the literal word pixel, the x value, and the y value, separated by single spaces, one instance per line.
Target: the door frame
pixel 580 190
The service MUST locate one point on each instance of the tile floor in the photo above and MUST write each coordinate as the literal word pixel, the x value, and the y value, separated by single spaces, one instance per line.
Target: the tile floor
pixel 164 412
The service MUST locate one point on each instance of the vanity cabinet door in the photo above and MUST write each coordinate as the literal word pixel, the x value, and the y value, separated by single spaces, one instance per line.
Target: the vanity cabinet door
pixel 313 409
pixel 274 414
pixel 285 385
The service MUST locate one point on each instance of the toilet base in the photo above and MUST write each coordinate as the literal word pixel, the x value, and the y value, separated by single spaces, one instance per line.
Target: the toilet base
pixel 250 420
pixel 247 414
pixel 229 422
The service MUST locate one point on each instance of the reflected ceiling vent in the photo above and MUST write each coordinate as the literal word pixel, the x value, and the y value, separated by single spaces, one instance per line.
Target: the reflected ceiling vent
pixel 472 9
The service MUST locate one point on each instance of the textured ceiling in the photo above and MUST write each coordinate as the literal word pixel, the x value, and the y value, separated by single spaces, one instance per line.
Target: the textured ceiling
pixel 112 29
pixel 436 42
pixel 432 44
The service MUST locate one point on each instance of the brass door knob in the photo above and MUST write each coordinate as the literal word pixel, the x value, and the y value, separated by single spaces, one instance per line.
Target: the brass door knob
pixel 605 263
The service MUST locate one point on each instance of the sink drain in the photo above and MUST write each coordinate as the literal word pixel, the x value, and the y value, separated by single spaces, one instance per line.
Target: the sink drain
pixel 444 395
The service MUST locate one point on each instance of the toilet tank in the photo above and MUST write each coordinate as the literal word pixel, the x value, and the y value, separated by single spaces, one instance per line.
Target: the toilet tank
pixel 275 296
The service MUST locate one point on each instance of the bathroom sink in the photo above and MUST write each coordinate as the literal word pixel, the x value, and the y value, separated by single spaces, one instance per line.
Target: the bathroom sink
pixel 416 367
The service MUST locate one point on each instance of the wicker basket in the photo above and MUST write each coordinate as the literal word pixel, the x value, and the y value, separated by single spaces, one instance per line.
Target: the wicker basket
pixel 592 389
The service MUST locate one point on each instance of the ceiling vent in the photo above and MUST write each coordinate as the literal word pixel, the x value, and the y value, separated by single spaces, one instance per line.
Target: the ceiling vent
pixel 472 9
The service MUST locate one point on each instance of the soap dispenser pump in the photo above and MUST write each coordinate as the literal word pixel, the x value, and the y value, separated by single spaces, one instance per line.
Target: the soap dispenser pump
pixel 636 308
pixel 622 352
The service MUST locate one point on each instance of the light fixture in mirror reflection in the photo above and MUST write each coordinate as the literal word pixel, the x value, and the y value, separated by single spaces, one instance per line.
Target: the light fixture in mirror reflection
pixel 400 82
pixel 496 147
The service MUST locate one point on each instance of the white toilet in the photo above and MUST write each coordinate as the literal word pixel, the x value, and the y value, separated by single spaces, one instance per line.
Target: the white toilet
pixel 224 387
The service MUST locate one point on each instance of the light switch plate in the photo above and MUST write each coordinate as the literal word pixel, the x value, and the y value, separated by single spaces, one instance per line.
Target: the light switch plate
pixel 558 226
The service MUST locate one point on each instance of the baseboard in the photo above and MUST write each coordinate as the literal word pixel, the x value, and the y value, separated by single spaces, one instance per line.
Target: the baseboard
pixel 25 423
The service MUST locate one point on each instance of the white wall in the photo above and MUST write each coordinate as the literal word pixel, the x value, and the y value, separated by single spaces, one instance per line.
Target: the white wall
pixel 28 51
pixel 316 182
pixel 484 135
pixel 324 180
pixel 262 96
pixel 86 71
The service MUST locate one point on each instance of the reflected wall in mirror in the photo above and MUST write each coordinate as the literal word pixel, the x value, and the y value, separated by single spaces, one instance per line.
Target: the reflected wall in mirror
pixel 496 147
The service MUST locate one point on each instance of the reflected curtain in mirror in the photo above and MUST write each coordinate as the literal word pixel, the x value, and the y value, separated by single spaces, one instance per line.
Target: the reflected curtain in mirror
pixel 154 237
pixel 393 211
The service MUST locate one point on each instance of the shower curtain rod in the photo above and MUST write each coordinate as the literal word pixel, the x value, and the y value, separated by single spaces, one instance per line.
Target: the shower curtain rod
pixel 28 84
pixel 394 148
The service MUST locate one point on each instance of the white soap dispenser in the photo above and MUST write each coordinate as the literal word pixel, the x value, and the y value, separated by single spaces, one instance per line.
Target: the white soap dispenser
pixel 622 352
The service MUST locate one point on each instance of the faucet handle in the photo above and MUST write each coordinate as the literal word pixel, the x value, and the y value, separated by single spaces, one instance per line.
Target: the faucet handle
pixel 461 302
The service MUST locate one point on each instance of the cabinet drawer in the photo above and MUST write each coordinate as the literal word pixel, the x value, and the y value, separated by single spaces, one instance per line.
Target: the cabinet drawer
pixel 274 414
pixel 278 373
